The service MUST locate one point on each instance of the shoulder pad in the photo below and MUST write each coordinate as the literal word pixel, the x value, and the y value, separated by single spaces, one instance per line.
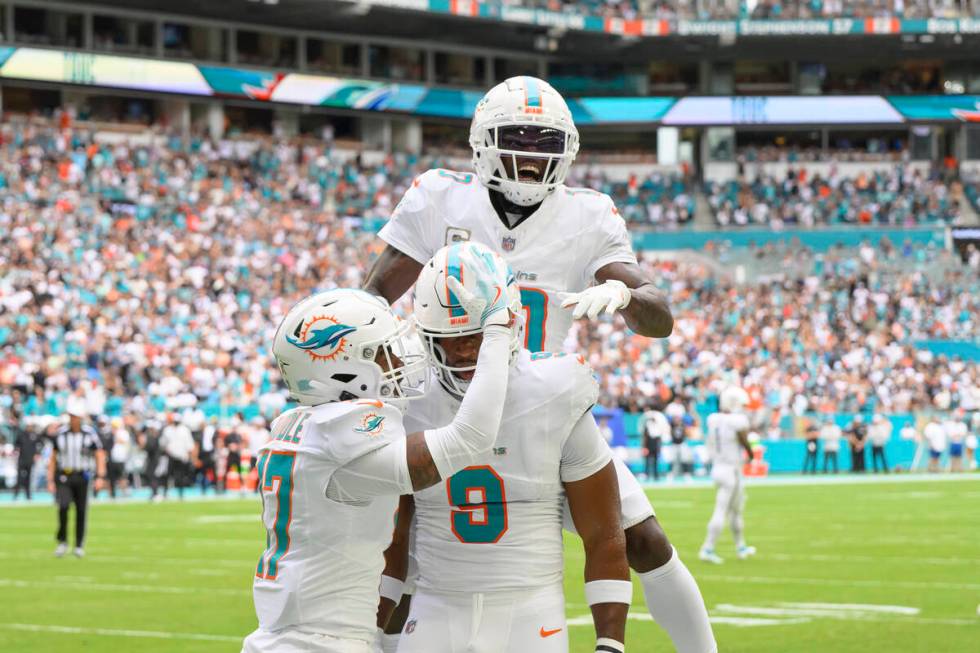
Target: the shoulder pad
pixel 440 179
pixel 592 198
pixel 350 429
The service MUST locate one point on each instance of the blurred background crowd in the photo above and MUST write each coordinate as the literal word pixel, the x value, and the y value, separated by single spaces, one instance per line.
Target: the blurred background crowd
pixel 146 280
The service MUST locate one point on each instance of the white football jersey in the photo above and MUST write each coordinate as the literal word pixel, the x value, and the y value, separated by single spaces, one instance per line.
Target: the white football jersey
pixel 559 248
pixel 498 526
pixel 323 559
pixel 723 445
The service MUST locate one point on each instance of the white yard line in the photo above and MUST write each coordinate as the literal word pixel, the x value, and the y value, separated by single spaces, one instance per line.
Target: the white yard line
pixel 816 557
pixel 783 580
pixel 119 587
pixel 858 607
pixel 116 632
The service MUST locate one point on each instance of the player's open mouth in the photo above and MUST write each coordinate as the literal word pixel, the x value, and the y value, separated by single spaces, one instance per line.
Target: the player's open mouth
pixel 467 375
pixel 530 170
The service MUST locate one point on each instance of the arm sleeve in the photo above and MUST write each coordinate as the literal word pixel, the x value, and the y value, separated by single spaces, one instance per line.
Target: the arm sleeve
pixel 585 451
pixel 412 225
pixel 473 431
pixel 382 472
pixel 613 244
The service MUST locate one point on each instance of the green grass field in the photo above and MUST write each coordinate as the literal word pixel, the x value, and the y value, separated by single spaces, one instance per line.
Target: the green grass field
pixel 848 568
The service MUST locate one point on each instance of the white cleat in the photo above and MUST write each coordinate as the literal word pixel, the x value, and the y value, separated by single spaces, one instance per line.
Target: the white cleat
pixel 745 552
pixel 709 555
pixel 79 552
pixel 61 550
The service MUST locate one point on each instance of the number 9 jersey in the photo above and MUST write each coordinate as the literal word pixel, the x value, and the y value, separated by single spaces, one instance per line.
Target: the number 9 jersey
pixel 497 527
pixel 559 248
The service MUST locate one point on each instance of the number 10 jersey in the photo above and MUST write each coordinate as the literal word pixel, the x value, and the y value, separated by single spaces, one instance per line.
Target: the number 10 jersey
pixel 559 248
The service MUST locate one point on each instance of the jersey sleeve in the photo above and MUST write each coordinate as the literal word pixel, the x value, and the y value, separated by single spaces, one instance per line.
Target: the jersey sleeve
pixel 346 433
pixel 414 227
pixel 585 452
pixel 740 423
pixel 613 244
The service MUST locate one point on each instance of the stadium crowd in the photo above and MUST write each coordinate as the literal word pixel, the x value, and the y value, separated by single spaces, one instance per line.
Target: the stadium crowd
pixel 757 9
pixel 147 279
pixel 900 196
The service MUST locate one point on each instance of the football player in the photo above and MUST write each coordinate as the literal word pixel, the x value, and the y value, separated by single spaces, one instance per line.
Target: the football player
pixel 488 543
pixel 728 437
pixel 332 472
pixel 572 256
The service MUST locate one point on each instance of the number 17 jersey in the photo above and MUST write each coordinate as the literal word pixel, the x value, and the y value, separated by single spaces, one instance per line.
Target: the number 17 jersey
pixel 320 570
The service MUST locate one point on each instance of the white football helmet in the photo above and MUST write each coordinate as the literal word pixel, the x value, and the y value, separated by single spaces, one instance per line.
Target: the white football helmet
pixel 523 117
pixel 327 348
pixel 440 315
pixel 733 399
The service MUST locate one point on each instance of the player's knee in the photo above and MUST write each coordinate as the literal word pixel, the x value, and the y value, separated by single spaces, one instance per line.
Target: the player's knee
pixel 647 546
pixel 399 616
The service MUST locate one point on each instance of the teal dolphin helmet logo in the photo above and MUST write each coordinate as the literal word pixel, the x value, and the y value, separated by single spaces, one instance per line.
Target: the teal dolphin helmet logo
pixel 322 337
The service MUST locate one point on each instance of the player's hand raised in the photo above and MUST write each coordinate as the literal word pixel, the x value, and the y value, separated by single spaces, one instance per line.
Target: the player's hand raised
pixel 488 304
pixel 610 296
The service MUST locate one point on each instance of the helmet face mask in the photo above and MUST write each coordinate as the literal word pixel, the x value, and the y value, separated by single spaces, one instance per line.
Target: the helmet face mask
pixel 328 348
pixel 440 317
pixel 523 139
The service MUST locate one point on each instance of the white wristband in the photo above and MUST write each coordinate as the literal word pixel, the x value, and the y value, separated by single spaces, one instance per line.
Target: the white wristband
pixel 608 591
pixel 391 588
pixel 607 645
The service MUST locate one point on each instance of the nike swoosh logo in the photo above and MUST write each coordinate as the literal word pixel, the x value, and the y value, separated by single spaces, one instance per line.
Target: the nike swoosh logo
pixel 497 297
pixel 548 633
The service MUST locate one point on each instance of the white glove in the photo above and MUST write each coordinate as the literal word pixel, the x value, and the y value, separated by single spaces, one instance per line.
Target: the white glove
pixel 612 296
pixel 488 304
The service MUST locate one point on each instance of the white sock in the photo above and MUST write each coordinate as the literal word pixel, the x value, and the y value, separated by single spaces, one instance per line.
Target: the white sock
pixel 675 602
pixel 389 643
pixel 715 526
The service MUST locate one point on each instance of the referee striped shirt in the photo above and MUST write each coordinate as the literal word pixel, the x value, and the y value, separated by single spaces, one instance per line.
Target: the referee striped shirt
pixel 76 449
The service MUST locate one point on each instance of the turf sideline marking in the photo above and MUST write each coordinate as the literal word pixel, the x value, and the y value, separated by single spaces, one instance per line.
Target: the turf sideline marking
pixel 151 634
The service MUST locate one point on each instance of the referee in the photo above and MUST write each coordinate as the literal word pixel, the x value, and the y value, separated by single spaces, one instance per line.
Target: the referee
pixel 77 451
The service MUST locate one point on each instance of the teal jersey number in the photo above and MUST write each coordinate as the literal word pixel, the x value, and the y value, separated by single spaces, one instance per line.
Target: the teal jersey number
pixel 535 304
pixel 478 495
pixel 276 476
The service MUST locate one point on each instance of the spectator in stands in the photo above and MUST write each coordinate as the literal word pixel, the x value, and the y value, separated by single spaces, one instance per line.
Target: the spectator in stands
pixel 879 433
pixel 830 435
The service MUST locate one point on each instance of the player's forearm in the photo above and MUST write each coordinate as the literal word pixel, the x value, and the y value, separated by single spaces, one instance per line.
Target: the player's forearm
pixel 610 620
pixel 100 464
pixel 648 312
pixel 392 274
pixel 473 431
pixel 605 560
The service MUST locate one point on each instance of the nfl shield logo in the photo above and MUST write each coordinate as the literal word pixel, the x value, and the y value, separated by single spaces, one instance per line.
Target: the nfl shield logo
pixel 410 627
pixel 508 244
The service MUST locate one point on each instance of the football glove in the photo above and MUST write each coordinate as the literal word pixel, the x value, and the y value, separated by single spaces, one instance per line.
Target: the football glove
pixel 612 296
pixel 488 304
